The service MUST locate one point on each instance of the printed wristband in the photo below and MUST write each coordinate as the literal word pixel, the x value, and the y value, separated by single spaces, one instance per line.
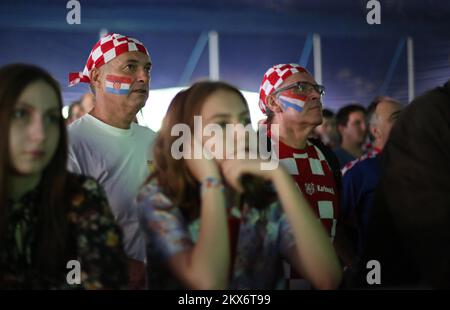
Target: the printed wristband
pixel 211 182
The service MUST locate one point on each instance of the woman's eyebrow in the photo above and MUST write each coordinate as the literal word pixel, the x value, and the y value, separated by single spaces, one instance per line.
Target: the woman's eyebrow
pixel 24 104
pixel 219 115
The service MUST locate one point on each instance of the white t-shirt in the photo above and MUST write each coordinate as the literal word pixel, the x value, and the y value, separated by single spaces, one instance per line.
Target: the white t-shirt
pixel 118 159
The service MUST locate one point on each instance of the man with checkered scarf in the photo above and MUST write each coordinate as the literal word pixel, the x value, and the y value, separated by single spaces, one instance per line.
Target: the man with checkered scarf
pixel 292 100
pixel 106 144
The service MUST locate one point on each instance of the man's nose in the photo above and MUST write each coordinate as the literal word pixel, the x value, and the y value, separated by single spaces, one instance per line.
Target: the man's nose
pixel 143 76
pixel 313 94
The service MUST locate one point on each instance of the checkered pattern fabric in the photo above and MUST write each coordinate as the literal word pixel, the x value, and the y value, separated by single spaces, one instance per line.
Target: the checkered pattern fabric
pixel 273 78
pixel 314 178
pixel 105 50
pixel 372 154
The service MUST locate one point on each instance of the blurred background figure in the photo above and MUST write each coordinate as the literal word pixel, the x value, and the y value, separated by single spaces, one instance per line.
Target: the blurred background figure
pixel 75 112
pixel 327 131
pixel 408 231
pixel 361 176
pixel 87 102
pixel 352 129
pixel 382 114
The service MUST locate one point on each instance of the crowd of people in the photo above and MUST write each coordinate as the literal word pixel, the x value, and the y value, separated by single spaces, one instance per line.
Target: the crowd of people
pixel 354 186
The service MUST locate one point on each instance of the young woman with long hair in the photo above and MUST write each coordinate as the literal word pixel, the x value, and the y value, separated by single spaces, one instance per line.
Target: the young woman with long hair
pixel 201 233
pixel 48 216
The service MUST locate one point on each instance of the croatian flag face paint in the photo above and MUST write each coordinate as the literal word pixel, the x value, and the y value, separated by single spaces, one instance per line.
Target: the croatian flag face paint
pixel 119 85
pixel 289 99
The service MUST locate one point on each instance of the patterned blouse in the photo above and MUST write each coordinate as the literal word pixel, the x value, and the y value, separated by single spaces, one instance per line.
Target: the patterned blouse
pixel 95 241
pixel 264 238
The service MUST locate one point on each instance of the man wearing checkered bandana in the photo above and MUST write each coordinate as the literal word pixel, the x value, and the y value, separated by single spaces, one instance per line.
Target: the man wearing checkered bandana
pixel 107 144
pixel 292 99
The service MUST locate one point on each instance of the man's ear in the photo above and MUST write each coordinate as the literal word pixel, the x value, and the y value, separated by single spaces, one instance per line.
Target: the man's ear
pixel 273 104
pixel 95 79
pixel 374 131
pixel 340 128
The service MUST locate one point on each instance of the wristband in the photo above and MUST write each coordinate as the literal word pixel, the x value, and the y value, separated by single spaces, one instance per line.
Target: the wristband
pixel 211 182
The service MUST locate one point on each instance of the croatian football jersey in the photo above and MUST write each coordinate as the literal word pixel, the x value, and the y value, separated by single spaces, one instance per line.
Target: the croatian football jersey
pixel 315 179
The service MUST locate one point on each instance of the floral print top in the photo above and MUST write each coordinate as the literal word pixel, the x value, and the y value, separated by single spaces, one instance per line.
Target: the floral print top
pixel 264 239
pixel 95 241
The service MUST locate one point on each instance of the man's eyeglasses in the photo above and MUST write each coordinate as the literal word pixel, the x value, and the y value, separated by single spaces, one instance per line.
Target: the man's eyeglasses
pixel 302 88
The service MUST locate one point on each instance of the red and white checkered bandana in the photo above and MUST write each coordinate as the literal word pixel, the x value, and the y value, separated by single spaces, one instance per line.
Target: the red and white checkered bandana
pixel 273 78
pixel 105 50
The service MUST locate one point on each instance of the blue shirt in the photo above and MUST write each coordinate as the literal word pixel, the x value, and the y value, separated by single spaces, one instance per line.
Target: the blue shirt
pixel 358 187
pixel 343 156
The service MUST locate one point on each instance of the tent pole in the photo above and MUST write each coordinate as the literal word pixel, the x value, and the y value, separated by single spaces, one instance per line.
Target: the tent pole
pixel 213 55
pixel 410 53
pixel 304 58
pixel 391 69
pixel 317 58
pixel 193 59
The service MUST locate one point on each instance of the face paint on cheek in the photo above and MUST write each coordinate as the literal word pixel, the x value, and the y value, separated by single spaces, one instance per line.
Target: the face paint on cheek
pixel 296 102
pixel 118 85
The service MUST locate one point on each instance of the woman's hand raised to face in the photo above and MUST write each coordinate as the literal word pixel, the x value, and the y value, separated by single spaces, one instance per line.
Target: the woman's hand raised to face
pixel 203 167
pixel 234 169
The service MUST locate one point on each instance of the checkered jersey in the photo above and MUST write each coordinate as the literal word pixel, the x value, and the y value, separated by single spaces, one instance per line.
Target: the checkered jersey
pixel 315 179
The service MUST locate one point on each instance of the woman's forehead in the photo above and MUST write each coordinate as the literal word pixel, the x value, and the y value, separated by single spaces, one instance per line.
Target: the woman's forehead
pixel 224 102
pixel 38 95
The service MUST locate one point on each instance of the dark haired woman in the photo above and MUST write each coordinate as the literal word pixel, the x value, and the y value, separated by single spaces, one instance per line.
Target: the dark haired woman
pixel 48 217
